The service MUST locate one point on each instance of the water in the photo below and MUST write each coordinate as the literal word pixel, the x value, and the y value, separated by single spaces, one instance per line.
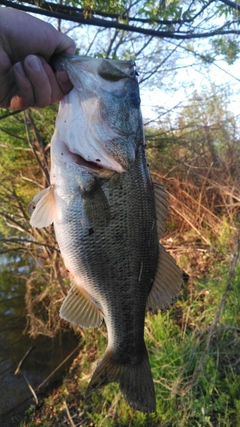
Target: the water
pixel 46 354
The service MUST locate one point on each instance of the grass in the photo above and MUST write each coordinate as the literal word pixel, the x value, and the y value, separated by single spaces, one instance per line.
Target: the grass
pixel 195 360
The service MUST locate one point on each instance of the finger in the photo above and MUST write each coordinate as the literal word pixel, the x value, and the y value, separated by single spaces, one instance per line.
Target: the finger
pixel 66 45
pixel 24 34
pixel 7 90
pixel 33 86
pixel 39 80
pixel 59 86
pixel 24 95
pixel 63 81
pixel 7 84
pixel 37 85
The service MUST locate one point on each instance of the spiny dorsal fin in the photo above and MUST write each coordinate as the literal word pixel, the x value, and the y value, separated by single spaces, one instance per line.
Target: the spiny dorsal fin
pixel 77 308
pixel 43 208
pixel 167 283
pixel 161 204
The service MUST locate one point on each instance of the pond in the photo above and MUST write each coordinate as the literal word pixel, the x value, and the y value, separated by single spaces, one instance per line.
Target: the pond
pixel 40 357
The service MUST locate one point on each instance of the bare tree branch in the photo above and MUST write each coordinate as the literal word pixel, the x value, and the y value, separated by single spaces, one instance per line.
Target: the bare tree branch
pixel 28 242
pixel 8 114
pixel 37 145
pixel 231 4
pixel 88 19
pixel 88 12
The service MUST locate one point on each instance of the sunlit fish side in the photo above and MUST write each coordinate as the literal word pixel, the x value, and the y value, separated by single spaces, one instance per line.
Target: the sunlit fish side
pixel 108 218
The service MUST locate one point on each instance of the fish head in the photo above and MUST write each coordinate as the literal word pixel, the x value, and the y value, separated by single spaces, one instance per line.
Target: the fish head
pixel 100 119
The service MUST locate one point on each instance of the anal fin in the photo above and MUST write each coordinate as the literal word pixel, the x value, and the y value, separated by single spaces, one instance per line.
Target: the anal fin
pixel 78 308
pixel 167 282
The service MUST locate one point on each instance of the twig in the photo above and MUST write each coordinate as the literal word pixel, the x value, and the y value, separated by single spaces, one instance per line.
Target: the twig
pixel 191 224
pixel 58 367
pixel 69 415
pixel 31 389
pixel 12 113
pixel 31 180
pixel 22 360
pixel 28 241
pixel 10 147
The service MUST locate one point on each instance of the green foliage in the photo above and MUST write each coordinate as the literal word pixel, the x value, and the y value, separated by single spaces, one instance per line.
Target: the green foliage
pixel 226 10
pixel 20 145
pixel 225 236
pixel 110 6
pixel 195 367
pixel 195 153
pixel 227 47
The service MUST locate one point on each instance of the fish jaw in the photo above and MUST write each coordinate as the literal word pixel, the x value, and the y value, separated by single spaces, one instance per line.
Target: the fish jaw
pixel 109 70
pixel 85 142
pixel 61 155
pixel 100 119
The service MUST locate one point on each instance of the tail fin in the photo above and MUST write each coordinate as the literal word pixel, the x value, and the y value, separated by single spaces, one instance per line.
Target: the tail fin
pixel 135 381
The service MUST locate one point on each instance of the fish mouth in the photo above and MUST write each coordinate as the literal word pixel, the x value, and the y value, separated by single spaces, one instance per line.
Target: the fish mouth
pixel 86 123
pixel 65 154
pixel 109 69
pixel 92 167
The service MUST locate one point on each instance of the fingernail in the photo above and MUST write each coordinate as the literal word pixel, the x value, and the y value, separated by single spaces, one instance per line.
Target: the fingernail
pixel 34 63
pixel 19 68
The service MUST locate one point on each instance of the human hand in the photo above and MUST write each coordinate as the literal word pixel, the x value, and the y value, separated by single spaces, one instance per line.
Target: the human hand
pixel 26 46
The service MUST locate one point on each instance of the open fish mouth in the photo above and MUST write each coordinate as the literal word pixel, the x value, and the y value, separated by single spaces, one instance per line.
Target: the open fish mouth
pixel 94 167
pixel 86 124
pixel 62 154
pixel 89 154
pixel 111 70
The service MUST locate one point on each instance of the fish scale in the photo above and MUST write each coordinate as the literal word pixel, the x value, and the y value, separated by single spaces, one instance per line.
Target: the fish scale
pixel 108 219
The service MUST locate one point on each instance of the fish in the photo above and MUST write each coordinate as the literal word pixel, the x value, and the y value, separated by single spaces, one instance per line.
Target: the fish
pixel 108 218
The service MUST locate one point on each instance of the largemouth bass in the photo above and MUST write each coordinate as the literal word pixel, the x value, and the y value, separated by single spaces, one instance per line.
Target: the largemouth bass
pixel 108 218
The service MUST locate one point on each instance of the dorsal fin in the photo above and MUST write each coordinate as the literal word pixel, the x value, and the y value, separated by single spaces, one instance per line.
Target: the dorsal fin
pixel 78 308
pixel 167 282
pixel 161 204
pixel 43 208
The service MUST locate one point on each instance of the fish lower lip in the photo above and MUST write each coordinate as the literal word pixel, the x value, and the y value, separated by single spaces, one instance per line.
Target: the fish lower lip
pixel 98 165
pixel 88 164
pixel 92 167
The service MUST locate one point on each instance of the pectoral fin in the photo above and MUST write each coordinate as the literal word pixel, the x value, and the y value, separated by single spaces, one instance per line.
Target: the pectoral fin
pixel 78 308
pixel 43 208
pixel 167 283
pixel 96 207
pixel 161 204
